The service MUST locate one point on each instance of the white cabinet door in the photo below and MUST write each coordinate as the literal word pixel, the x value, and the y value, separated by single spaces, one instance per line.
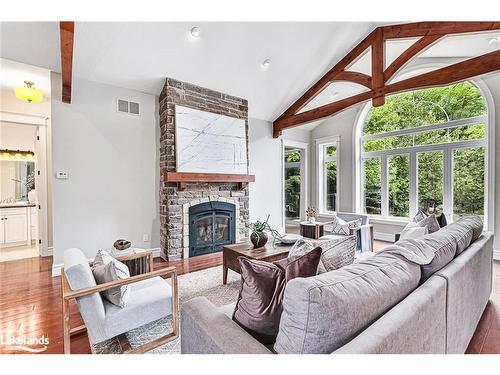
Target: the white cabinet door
pixel 16 228
pixel 2 231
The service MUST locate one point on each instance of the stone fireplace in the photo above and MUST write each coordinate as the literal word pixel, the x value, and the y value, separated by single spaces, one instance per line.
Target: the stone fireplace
pixel 178 204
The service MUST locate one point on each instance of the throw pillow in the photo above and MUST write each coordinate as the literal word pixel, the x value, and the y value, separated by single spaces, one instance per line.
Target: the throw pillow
pixel 419 216
pixel 343 227
pixel 105 269
pixel 260 302
pixel 441 219
pixel 413 232
pixel 431 223
pixel 336 251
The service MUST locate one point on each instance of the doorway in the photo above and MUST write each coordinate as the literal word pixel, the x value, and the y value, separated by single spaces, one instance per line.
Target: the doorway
pixel 23 187
pixel 295 156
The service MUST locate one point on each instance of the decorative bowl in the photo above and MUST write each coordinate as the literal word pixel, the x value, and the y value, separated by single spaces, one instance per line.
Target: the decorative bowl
pixel 290 238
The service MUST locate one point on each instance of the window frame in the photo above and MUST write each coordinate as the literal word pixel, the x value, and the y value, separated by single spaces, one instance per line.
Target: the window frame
pixel 446 148
pixel 321 145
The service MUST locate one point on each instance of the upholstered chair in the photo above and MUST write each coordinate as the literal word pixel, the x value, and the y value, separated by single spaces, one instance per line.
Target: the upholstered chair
pixel 363 233
pixel 151 298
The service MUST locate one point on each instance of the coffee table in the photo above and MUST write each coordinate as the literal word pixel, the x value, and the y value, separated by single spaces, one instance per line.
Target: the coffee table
pixel 268 253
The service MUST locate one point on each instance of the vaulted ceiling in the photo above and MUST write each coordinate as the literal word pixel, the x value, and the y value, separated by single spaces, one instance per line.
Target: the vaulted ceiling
pixel 226 57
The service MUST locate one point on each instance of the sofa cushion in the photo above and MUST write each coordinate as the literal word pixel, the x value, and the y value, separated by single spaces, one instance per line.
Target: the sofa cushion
pixel 473 222
pixel 336 250
pixel 324 312
pixel 259 305
pixel 465 231
pixel 413 231
pixel 445 248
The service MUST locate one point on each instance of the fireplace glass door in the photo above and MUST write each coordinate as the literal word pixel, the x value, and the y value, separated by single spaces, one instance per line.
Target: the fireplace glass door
pixel 211 226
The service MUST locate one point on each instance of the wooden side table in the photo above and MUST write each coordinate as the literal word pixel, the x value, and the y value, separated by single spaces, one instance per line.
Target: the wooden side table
pixel 311 230
pixel 268 253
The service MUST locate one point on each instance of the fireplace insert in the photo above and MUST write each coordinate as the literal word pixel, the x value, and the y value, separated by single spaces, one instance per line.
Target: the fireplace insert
pixel 211 226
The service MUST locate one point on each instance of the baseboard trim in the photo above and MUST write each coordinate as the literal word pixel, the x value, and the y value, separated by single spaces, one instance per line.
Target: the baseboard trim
pixel 383 236
pixel 56 268
pixel 496 254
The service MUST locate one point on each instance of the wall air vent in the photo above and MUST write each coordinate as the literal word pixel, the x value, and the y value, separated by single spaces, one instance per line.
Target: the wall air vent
pixel 134 108
pixel 127 107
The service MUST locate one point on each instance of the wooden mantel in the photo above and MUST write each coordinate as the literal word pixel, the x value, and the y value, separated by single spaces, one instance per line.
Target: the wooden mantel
pixel 182 178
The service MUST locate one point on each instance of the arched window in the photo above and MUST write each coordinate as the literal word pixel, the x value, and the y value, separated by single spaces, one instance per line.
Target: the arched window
pixel 426 150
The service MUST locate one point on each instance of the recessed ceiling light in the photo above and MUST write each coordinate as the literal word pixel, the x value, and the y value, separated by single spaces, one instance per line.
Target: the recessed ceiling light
pixel 334 95
pixel 266 63
pixel 195 32
pixel 493 40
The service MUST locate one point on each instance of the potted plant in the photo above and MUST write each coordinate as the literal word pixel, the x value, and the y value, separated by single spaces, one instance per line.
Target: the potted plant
pixel 311 214
pixel 259 237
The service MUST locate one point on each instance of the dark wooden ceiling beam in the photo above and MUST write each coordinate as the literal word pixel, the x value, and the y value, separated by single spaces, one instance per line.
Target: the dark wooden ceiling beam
pixel 451 74
pixel 328 77
pixel 378 63
pixel 415 49
pixel 66 31
pixel 416 29
pixel 354 77
pixel 429 33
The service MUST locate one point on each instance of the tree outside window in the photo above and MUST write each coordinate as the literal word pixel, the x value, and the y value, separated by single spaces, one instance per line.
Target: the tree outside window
pixel 456 116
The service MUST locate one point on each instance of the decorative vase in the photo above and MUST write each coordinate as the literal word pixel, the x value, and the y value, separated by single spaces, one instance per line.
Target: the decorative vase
pixel 311 220
pixel 258 240
pixel 32 196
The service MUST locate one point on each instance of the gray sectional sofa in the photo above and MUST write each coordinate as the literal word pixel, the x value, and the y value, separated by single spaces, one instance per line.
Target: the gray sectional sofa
pixel 417 296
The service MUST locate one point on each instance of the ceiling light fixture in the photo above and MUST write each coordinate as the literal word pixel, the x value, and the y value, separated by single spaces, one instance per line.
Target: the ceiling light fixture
pixel 195 32
pixel 334 95
pixel 28 93
pixel 493 40
pixel 266 63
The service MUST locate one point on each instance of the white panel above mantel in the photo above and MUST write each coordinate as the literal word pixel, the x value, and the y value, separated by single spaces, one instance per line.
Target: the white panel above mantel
pixel 209 143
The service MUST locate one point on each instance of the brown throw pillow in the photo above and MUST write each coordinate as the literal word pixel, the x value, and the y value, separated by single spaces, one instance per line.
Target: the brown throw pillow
pixel 260 302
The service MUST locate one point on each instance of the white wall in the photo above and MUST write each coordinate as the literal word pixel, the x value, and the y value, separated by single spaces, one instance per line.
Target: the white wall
pixel 17 137
pixel 342 126
pixel 113 167
pixel 493 84
pixel 265 154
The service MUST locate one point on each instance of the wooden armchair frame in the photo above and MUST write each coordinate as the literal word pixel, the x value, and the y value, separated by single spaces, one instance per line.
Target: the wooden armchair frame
pixel 68 295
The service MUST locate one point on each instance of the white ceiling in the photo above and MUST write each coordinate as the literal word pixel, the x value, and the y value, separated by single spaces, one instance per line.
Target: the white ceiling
pixel 227 57
pixel 14 74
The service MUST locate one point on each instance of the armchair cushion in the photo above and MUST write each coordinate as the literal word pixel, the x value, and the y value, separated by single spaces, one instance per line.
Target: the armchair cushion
pixel 149 300
pixel 106 269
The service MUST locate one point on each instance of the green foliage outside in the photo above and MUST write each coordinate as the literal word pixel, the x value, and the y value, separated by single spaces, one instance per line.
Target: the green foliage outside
pixel 412 110
pixel 292 185
pixel 331 178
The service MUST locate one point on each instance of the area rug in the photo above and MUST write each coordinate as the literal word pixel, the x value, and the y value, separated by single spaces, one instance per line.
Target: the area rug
pixel 206 283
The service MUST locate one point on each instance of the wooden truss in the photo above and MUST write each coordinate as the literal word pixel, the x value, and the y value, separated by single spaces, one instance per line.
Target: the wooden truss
pixel 377 83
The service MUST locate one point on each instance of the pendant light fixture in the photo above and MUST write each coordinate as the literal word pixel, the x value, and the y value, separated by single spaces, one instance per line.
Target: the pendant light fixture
pixel 28 93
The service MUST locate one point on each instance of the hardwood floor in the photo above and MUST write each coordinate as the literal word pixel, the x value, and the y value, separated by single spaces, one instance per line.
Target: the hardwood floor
pixel 30 304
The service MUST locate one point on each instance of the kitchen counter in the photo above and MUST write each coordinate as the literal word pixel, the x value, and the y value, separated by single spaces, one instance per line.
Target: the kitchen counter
pixel 17 205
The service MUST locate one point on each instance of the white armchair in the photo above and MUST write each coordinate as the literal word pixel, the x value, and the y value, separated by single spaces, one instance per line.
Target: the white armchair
pixel 363 233
pixel 151 298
